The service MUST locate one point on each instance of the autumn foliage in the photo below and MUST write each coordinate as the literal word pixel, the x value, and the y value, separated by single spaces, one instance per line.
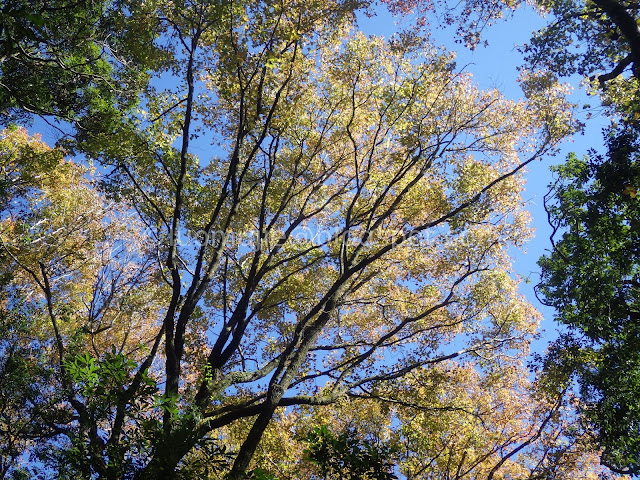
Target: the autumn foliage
pixel 297 226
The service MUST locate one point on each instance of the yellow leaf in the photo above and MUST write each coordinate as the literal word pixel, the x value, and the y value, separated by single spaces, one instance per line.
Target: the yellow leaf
pixel 630 190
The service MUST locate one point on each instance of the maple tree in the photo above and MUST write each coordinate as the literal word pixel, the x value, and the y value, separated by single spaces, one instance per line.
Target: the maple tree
pixel 295 220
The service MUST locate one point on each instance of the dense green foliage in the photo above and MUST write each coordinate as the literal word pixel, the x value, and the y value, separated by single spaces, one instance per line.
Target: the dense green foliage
pixel 591 276
pixel 74 59
pixel 592 279
pixel 347 456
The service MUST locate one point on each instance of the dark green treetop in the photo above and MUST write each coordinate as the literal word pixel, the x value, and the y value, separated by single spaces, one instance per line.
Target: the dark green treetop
pixel 592 279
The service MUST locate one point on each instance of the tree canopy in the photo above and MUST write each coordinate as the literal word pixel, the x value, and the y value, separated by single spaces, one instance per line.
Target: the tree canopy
pixel 591 278
pixel 74 59
pixel 590 274
pixel 286 225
